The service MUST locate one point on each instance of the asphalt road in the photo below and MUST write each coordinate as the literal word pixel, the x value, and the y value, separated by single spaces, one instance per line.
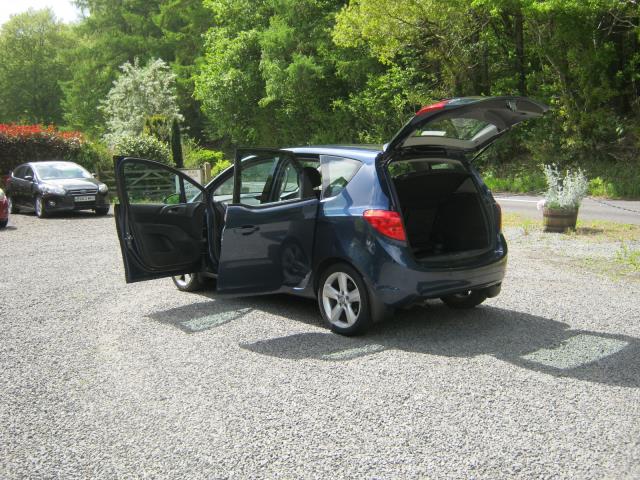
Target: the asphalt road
pixel 99 379
pixel 622 211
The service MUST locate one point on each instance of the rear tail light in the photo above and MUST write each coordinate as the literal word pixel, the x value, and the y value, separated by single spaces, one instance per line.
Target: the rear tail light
pixel 498 216
pixel 387 222
pixel 431 108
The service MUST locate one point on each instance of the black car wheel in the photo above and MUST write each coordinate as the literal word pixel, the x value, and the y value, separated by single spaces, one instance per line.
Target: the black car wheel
pixel 38 206
pixel 344 300
pixel 13 208
pixel 102 211
pixel 189 282
pixel 464 300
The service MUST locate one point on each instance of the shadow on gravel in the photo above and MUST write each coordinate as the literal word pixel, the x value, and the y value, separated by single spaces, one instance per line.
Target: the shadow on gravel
pixel 198 317
pixel 528 341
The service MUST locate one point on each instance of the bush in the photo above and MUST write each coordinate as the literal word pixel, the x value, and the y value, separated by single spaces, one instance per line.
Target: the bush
pixel 196 157
pixel 142 146
pixel 566 191
pixel 219 166
pixel 32 143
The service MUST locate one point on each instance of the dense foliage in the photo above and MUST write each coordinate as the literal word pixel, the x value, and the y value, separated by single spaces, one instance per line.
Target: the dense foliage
pixel 31 68
pixel 142 146
pixel 282 72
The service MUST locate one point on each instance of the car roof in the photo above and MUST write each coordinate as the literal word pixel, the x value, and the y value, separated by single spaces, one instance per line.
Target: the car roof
pixel 49 162
pixel 364 153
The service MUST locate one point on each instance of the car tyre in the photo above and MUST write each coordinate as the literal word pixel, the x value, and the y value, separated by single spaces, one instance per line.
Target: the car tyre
pixel 38 206
pixel 189 282
pixel 343 299
pixel 13 208
pixel 102 211
pixel 464 300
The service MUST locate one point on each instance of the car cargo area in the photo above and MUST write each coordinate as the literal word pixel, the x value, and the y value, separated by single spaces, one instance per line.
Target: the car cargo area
pixel 441 207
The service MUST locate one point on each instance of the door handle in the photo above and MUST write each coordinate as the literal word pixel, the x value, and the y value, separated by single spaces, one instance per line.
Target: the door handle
pixel 248 229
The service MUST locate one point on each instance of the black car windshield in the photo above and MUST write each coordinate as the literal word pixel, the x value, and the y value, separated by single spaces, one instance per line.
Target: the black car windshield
pixel 60 170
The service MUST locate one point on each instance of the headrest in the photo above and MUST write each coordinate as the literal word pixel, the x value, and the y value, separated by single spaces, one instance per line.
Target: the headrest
pixel 313 175
pixel 310 178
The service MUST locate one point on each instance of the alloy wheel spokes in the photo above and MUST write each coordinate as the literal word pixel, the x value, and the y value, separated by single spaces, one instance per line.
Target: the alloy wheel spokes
pixel 331 292
pixel 342 281
pixel 336 313
pixel 341 299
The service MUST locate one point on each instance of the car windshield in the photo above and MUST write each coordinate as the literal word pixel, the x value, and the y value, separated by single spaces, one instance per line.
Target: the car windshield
pixel 60 170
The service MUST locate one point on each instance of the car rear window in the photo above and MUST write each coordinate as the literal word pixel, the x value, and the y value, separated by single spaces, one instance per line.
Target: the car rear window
pixel 456 128
pixel 337 172
pixel 423 165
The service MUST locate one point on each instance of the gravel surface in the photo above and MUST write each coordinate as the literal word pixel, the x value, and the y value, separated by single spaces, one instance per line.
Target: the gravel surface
pixel 99 379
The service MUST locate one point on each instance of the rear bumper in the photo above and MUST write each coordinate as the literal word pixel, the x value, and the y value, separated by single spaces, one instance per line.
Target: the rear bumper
pixel 399 281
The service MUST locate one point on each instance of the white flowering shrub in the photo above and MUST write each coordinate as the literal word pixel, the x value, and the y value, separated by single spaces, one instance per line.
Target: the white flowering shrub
pixel 564 192
pixel 138 93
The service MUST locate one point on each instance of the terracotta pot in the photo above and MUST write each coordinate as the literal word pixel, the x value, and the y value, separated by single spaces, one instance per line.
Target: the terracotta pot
pixel 556 220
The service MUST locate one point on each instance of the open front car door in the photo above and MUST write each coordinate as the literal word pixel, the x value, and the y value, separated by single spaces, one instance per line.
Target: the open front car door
pixel 160 219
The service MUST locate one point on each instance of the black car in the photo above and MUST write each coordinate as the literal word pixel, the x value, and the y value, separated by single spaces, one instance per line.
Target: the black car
pixel 56 186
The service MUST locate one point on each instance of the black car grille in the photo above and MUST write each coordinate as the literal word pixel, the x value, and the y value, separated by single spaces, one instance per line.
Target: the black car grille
pixel 77 192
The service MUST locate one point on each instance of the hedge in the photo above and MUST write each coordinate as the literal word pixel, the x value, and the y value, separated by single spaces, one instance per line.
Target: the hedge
pixel 142 146
pixel 32 143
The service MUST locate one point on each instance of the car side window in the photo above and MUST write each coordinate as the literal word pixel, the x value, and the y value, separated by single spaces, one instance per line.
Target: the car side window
pixel 146 183
pixel 337 172
pixel 289 186
pixel 223 193
pixel 19 172
pixel 28 172
pixel 256 179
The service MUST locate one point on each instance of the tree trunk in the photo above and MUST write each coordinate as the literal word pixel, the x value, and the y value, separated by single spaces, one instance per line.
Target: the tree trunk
pixel 176 144
pixel 518 34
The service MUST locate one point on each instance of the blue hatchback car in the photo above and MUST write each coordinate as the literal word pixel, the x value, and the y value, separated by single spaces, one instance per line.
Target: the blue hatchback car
pixel 363 229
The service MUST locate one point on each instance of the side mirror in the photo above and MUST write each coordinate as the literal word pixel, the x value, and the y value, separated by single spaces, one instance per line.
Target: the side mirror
pixel 28 178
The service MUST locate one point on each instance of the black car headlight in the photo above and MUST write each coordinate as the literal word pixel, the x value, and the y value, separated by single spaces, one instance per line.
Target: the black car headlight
pixel 53 189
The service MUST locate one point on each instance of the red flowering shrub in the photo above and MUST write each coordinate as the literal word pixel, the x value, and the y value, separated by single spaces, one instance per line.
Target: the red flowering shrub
pixel 30 143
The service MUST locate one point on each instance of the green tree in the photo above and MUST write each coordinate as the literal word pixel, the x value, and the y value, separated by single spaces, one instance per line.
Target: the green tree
pixel 111 34
pixel 270 72
pixel 114 33
pixel 183 24
pixel 580 56
pixel 31 67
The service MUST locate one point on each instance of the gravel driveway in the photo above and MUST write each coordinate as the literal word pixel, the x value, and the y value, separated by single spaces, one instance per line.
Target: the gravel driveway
pixel 103 380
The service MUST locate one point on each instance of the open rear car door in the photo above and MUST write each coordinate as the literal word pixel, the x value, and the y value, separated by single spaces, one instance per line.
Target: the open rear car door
pixel 467 124
pixel 267 241
pixel 160 219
